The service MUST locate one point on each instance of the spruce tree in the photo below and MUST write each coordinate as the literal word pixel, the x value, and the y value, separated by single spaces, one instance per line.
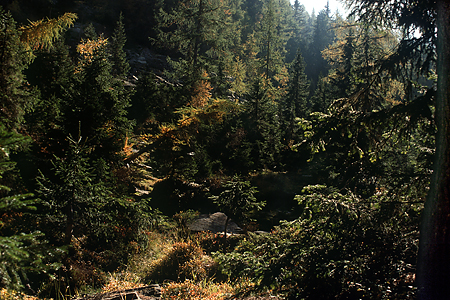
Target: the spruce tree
pixel 99 107
pixel 262 124
pixel 202 35
pixel 294 104
pixel 119 58
pixel 272 39
pixel 322 37
pixel 323 95
pixel 237 200
pixel 356 74
pixel 297 22
pixel 73 198
pixel 53 72
pixel 21 252
pixel 16 98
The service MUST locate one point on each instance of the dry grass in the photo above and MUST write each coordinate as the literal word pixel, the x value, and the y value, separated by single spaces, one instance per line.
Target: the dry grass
pixel 13 295
pixel 122 281
pixel 181 266
pixel 184 260
pixel 194 290
pixel 158 246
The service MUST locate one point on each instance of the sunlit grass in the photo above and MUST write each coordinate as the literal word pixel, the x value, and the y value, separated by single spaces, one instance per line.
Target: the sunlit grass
pixel 194 290
pixel 13 295
pixel 122 281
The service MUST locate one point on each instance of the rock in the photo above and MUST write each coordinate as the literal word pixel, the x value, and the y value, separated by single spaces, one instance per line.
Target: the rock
pixel 149 292
pixel 214 223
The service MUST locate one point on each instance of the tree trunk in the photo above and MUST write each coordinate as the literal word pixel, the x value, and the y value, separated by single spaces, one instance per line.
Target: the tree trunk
pixel 69 224
pixel 433 267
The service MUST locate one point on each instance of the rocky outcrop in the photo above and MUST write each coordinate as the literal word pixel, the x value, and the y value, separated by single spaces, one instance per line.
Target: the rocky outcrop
pixel 143 59
pixel 214 223
pixel 150 292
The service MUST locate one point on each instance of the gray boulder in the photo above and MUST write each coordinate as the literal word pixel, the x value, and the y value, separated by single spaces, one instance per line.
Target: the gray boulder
pixel 214 223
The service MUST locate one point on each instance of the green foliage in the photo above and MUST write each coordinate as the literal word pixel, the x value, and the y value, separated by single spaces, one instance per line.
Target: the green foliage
pixel 119 57
pixel 73 199
pixel 321 37
pixel 202 32
pixel 365 135
pixel 272 36
pixel 98 109
pixel 262 125
pixel 155 103
pixel 357 149
pixel 294 105
pixel 238 199
pixel 79 202
pixel 340 247
pixel 20 253
pixel 16 98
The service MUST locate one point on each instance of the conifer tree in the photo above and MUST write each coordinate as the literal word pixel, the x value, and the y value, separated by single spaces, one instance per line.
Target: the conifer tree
pixel 53 72
pixel 272 39
pixel 322 37
pixel 201 35
pixel 119 58
pixel 73 198
pixel 16 53
pixel 99 107
pixel 262 124
pixel 21 252
pixel 294 104
pixel 43 33
pixel 16 98
pixel 323 95
pixel 237 200
pixel 356 74
pixel 296 25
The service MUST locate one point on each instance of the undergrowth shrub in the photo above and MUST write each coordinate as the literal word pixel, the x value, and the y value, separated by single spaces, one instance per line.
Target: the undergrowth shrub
pixel 341 247
pixel 184 260
pixel 213 242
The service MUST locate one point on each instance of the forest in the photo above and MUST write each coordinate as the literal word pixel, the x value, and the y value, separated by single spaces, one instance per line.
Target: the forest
pixel 323 136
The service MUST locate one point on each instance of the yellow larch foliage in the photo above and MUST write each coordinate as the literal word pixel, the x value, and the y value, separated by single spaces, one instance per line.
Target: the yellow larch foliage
pixel 236 69
pixel 87 48
pixel 283 79
pixel 201 92
pixel 13 295
pixel 42 33
pixel 127 148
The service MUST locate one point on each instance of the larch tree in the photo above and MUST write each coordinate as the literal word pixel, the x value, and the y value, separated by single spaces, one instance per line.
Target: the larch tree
pixel 16 53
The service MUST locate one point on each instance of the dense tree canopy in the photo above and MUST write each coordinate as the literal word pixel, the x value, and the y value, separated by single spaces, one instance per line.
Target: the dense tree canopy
pixel 319 129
